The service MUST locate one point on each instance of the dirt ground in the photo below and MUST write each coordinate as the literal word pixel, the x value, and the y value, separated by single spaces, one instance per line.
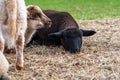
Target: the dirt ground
pixel 99 58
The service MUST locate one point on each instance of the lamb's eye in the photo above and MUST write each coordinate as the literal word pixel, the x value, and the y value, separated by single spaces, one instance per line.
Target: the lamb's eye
pixel 66 37
pixel 35 16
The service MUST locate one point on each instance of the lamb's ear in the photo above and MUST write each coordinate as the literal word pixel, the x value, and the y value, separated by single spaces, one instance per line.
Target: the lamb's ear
pixel 28 14
pixel 29 8
pixel 55 35
pixel 88 32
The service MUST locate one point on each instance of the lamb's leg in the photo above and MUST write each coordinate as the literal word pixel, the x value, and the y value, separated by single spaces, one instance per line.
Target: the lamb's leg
pixel 21 26
pixel 3 18
pixel 1 42
pixel 4 65
pixel 11 12
pixel 20 39
pixel 11 6
pixel 19 52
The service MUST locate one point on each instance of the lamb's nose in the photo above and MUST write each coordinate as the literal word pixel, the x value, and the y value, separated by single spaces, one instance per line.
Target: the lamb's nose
pixel 48 22
pixel 75 50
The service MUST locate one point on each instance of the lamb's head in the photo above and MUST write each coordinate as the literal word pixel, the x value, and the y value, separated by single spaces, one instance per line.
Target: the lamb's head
pixel 36 18
pixel 71 39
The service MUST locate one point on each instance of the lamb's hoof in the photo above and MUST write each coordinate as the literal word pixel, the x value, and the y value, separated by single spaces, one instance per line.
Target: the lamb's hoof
pixel 4 77
pixel 20 66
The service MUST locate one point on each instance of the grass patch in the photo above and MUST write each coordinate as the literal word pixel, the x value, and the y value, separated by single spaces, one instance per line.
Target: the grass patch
pixel 82 9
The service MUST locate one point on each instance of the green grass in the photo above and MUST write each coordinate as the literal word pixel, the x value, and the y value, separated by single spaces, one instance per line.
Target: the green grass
pixel 82 9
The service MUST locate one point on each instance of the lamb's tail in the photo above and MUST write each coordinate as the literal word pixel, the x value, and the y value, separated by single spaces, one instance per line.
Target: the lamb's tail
pixel 12 16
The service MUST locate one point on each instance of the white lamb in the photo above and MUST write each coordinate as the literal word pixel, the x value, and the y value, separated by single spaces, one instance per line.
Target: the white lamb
pixel 13 24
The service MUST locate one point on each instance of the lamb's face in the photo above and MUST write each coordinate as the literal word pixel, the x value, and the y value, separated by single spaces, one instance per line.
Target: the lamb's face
pixel 36 18
pixel 72 40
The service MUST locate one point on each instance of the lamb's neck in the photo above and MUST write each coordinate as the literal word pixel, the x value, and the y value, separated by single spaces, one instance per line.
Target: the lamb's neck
pixel 28 35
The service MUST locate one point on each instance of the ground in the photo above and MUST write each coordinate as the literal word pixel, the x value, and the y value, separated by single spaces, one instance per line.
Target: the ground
pixel 99 58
